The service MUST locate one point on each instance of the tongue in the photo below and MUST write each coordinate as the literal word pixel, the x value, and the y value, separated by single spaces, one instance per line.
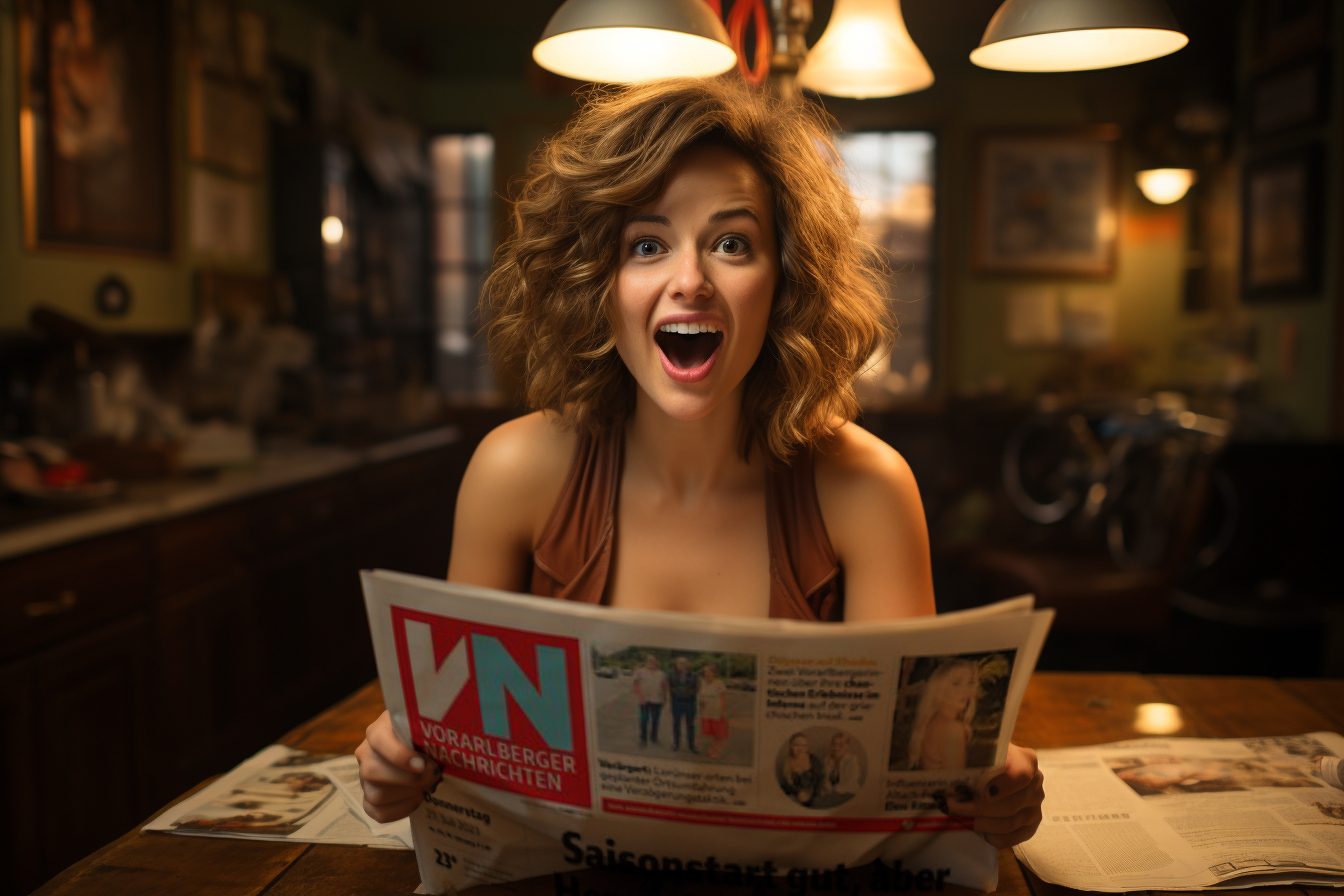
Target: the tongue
pixel 689 351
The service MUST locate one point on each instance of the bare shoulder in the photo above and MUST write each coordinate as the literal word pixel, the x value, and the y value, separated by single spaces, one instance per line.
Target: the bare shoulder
pixel 534 445
pixel 856 468
pixel 875 521
pixel 519 468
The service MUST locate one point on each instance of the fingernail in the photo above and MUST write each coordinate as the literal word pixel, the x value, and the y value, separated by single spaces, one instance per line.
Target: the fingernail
pixel 417 763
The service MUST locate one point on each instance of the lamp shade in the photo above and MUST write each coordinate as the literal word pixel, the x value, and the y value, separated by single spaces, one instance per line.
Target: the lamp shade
pixel 865 52
pixel 624 41
pixel 1077 35
pixel 1164 186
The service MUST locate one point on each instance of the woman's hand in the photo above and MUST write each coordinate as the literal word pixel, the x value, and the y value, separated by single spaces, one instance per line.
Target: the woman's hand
pixel 1007 803
pixel 394 776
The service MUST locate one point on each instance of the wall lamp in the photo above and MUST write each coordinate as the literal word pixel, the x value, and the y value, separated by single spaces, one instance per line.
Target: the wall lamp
pixel 865 51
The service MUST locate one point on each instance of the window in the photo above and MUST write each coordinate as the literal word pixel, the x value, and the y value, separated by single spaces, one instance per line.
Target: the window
pixel 891 173
pixel 463 173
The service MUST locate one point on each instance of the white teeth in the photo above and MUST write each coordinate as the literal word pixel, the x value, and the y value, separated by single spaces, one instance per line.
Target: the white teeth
pixel 688 329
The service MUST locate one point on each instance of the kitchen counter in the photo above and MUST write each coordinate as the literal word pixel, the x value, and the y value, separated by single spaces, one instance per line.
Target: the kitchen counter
pixel 148 502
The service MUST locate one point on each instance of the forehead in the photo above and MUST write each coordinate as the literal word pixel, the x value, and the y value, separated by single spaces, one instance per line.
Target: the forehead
pixel 715 174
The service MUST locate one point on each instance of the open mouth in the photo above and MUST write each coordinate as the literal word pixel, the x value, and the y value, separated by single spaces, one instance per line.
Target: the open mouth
pixel 688 346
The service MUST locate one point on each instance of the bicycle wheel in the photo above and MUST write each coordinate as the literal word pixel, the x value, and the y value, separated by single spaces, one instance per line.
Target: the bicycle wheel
pixel 1047 465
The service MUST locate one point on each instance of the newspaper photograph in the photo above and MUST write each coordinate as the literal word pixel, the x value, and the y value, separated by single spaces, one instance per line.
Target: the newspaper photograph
pixel 284 794
pixel 1192 814
pixel 576 737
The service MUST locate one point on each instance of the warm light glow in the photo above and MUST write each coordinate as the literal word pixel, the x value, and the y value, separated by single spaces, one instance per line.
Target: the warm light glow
pixel 333 231
pixel 864 52
pixel 627 55
pixel 1077 51
pixel 1157 718
pixel 1165 185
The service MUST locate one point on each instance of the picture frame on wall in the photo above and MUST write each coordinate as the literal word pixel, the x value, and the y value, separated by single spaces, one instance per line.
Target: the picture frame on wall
pixel 94 125
pixel 1295 96
pixel 1281 226
pixel 226 126
pixel 1045 203
pixel 1287 30
pixel 214 40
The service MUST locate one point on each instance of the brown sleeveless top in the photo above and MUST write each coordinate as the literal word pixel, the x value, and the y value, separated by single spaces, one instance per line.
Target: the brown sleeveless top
pixel 572 558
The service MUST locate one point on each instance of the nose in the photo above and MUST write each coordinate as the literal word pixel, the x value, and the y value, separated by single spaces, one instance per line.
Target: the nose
pixel 688 277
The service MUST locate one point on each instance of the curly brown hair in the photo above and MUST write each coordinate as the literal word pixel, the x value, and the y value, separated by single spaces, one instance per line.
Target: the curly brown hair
pixel 547 302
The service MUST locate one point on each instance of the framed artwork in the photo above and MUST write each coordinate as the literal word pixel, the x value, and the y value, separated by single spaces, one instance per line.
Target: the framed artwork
pixel 1045 203
pixel 94 124
pixel 1288 29
pixel 226 126
pixel 223 217
pixel 214 42
pixel 1292 97
pixel 1281 226
pixel 252 47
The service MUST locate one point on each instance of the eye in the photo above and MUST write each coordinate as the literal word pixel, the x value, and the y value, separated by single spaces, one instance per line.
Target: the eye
pixel 645 247
pixel 734 245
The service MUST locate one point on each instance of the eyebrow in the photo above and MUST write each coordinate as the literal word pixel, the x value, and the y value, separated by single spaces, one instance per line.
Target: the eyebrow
pixel 742 212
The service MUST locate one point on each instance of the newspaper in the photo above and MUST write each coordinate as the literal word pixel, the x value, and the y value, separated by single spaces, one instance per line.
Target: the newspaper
pixel 732 751
pixel 1192 814
pixel 285 794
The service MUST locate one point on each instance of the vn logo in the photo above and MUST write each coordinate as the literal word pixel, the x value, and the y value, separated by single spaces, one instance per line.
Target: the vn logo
pixel 495 705
pixel 546 703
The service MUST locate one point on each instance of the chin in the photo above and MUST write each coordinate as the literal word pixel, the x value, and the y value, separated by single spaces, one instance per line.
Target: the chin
pixel 685 409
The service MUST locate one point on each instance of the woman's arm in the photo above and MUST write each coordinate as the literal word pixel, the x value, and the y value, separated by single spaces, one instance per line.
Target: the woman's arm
pixel 514 478
pixel 870 504
pixel 875 519
pixel 506 497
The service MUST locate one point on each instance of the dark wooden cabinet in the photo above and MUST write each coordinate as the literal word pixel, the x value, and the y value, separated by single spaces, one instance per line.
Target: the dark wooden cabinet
pixel 207 676
pixel 75 749
pixel 20 864
pixel 135 664
pixel 92 741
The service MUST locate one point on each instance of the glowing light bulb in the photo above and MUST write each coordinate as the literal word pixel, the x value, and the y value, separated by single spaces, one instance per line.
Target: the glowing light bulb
pixel 333 231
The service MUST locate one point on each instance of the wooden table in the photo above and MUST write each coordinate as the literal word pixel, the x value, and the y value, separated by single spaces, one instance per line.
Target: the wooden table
pixel 1060 710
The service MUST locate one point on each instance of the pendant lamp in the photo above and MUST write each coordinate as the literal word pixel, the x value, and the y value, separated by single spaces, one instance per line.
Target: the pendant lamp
pixel 622 42
pixel 1077 35
pixel 1163 186
pixel 865 52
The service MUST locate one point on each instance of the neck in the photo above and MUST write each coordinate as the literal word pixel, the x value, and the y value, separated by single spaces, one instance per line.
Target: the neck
pixel 689 459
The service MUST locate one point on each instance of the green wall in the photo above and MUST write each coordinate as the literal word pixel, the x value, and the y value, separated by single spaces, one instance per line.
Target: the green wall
pixel 521 109
pixel 1151 326
pixel 162 287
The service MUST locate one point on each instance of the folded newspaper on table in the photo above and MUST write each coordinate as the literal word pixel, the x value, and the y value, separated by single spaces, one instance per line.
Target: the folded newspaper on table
pixel 284 794
pixel 1192 814
pixel 576 737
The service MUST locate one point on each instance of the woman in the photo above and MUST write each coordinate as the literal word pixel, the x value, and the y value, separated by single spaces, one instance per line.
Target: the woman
pixel 800 771
pixel 942 729
pixel 841 774
pixel 687 298
pixel 713 709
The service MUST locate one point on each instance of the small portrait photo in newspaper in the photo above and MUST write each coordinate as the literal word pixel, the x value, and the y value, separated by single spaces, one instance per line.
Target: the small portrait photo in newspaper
pixel 949 710
pixel 821 767
pixel 681 704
